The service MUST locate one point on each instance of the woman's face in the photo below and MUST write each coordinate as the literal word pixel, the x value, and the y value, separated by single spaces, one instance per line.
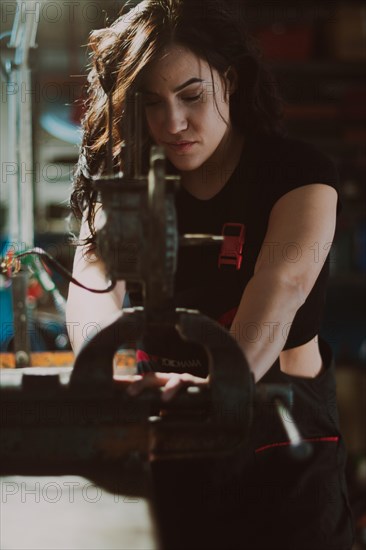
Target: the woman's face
pixel 183 113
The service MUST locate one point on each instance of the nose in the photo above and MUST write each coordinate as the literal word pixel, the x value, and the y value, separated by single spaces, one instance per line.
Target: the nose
pixel 176 120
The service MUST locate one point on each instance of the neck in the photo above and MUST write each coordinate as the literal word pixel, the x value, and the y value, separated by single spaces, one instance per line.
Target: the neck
pixel 207 180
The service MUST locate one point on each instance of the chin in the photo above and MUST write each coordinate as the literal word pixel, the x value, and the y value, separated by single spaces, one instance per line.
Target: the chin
pixel 185 167
pixel 185 164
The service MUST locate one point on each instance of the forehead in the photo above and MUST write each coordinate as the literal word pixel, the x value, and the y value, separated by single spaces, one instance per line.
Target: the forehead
pixel 176 64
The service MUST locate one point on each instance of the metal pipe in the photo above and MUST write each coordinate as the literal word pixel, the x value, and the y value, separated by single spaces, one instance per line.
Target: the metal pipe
pixel 20 156
pixel 138 140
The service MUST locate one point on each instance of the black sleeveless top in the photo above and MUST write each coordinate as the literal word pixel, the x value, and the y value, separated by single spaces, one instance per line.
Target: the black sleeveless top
pixel 212 279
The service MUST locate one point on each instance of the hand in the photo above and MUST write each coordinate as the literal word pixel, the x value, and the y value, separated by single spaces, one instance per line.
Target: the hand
pixel 171 382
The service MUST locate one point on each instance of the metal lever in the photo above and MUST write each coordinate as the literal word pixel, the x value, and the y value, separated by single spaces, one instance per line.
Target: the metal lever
pixel 22 346
pixel 299 448
pixel 199 239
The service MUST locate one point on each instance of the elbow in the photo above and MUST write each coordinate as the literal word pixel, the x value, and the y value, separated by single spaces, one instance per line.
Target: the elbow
pixel 296 289
pixel 74 319
pixel 70 326
pixel 299 290
pixel 293 288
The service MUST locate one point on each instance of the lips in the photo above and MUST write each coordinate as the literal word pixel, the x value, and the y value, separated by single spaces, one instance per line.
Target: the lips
pixel 181 142
pixel 181 146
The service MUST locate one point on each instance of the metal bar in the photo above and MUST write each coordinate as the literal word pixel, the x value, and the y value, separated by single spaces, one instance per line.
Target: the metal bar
pixel 110 134
pixel 21 219
pixel 138 140
pixel 299 448
pixel 127 136
pixel 21 332
pixel 20 155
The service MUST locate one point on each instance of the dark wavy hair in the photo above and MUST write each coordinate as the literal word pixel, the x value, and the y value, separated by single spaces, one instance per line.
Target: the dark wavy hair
pixel 122 52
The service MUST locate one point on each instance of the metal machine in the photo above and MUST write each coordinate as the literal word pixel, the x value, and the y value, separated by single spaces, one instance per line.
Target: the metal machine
pixel 81 420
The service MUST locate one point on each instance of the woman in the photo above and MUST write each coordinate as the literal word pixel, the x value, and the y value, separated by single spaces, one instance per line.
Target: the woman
pixel 211 105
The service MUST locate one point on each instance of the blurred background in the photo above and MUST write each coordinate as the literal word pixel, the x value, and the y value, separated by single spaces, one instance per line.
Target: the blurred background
pixel 317 51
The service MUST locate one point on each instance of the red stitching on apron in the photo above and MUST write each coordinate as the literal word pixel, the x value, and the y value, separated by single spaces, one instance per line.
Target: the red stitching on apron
pixel 333 439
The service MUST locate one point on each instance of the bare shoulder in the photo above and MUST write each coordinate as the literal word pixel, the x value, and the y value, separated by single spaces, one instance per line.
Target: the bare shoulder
pixel 300 232
pixel 309 209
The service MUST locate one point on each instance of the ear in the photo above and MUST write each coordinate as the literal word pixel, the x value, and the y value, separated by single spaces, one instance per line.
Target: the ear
pixel 231 80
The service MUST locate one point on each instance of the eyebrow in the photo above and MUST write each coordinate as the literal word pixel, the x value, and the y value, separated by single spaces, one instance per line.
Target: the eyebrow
pixel 180 87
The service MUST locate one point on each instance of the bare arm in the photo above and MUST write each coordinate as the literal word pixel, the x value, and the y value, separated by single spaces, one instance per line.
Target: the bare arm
pixel 285 272
pixel 86 312
pixel 301 223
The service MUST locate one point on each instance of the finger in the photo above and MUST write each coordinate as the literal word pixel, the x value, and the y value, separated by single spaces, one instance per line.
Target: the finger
pixel 175 383
pixel 181 380
pixel 149 380
pixel 172 389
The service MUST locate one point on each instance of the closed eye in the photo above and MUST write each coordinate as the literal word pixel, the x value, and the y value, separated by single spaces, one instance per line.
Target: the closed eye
pixel 192 98
pixel 189 99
